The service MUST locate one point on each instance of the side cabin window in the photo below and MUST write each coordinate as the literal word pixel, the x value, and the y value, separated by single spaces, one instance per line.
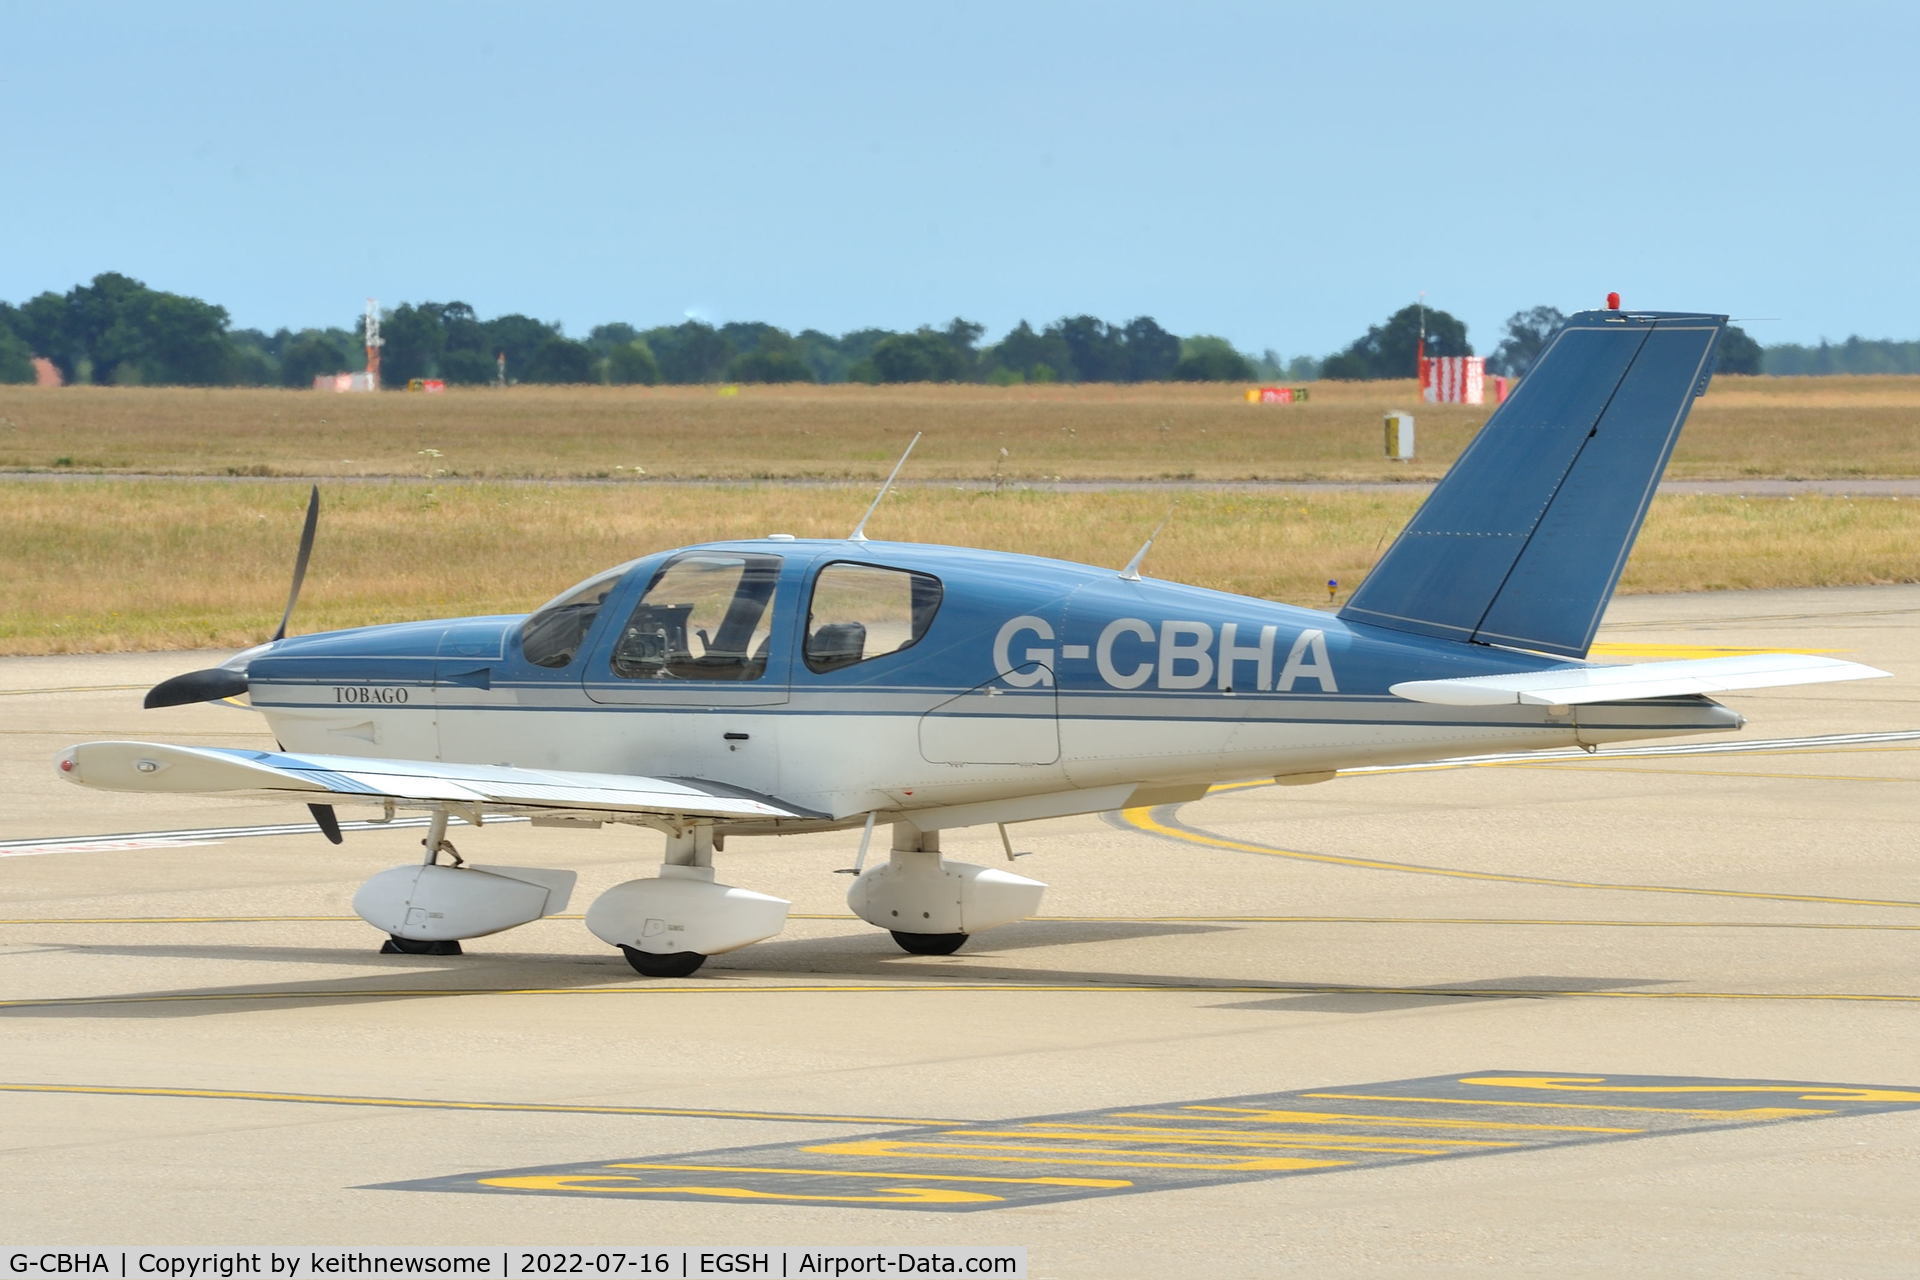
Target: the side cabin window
pixel 862 611
pixel 708 615
pixel 551 635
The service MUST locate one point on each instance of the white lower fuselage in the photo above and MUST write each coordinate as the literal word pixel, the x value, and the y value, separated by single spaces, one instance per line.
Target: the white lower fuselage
pixel 900 750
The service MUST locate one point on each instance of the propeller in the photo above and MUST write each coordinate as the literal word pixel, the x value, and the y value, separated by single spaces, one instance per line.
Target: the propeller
pixel 214 683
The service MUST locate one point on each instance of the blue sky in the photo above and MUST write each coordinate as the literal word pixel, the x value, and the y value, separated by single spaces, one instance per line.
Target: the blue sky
pixel 1281 174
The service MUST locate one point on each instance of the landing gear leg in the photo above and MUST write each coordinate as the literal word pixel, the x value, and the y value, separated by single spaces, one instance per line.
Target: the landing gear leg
pixel 436 843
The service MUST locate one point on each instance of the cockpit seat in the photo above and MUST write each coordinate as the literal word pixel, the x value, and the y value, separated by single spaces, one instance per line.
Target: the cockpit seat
pixel 836 644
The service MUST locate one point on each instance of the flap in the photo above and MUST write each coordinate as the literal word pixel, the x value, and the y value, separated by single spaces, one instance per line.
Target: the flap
pixel 1567 686
pixel 152 766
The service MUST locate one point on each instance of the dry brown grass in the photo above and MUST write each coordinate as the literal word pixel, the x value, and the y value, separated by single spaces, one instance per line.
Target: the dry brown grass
pixel 108 565
pixel 1743 428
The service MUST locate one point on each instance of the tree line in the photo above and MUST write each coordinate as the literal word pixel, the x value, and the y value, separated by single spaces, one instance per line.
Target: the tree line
pixel 115 331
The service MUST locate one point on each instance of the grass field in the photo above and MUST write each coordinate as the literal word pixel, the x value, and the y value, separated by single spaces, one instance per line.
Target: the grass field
pixel 109 565
pixel 1743 428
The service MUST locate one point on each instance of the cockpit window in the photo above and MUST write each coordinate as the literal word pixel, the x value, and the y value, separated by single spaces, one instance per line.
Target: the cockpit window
pixel 551 636
pixel 708 615
pixel 862 611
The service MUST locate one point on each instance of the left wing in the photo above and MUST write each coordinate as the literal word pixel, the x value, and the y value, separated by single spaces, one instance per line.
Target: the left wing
pixel 320 779
pixel 1567 686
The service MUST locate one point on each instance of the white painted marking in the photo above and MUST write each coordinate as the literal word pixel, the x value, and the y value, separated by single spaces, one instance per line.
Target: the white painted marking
pixel 109 845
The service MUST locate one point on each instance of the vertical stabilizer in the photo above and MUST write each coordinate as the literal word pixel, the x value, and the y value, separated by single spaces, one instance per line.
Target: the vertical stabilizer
pixel 1522 541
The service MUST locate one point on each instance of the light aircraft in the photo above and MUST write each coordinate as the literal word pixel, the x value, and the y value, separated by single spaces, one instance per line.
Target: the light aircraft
pixel 787 685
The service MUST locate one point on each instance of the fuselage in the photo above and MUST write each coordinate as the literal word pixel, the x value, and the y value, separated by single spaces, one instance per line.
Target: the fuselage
pixel 852 676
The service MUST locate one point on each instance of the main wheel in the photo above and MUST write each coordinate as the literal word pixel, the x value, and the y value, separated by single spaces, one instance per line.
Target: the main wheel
pixel 929 944
pixel 398 946
pixel 676 964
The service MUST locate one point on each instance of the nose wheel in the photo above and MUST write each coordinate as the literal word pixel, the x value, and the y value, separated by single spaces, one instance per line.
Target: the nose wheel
pixel 678 964
pixel 929 944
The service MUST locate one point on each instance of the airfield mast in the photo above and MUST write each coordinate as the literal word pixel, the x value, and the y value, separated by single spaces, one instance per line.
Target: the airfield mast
pixel 371 324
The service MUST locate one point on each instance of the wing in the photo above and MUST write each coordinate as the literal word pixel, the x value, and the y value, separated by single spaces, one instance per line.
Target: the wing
pixel 320 779
pixel 1567 686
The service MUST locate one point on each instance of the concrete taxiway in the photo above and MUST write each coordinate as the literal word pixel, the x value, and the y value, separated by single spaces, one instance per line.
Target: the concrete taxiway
pixel 1564 1016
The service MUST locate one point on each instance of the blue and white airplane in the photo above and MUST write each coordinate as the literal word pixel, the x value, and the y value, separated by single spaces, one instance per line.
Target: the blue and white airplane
pixel 786 685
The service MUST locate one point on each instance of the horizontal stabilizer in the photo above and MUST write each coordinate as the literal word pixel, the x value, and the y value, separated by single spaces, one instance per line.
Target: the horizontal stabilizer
pixel 152 766
pixel 1569 686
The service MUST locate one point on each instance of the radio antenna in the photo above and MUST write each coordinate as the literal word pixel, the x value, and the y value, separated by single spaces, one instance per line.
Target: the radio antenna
pixel 1132 572
pixel 859 533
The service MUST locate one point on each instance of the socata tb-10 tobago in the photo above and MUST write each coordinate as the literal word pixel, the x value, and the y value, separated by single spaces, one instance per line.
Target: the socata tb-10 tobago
pixel 785 685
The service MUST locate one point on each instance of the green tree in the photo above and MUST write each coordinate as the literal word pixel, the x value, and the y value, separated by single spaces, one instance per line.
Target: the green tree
pixel 1205 358
pixel 182 341
pixel 560 360
pixel 859 344
pixel 766 354
pixel 632 362
pixel 823 355
pixel 16 357
pixel 1035 357
pixel 964 336
pixel 690 352
pixel 313 353
pixel 256 359
pixel 103 324
pixel 519 337
pixel 1527 334
pixel 462 334
pixel 1738 353
pixel 602 339
pixel 1093 350
pixel 411 342
pixel 42 323
pixel 1388 350
pixel 922 356
pixel 1148 352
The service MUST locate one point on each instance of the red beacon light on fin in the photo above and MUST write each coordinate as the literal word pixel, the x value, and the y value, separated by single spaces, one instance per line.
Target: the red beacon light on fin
pixel 1613 301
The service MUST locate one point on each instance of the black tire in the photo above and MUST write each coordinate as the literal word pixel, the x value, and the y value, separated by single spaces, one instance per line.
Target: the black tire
pixel 397 946
pixel 929 944
pixel 677 964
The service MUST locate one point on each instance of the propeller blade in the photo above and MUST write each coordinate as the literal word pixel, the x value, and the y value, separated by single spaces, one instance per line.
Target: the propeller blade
pixel 197 686
pixel 300 560
pixel 328 822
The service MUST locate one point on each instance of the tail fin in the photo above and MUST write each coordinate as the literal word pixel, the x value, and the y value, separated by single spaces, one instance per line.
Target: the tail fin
pixel 1523 540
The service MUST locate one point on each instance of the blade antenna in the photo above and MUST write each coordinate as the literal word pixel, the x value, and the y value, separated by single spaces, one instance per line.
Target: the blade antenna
pixel 859 533
pixel 1132 572
pixel 300 560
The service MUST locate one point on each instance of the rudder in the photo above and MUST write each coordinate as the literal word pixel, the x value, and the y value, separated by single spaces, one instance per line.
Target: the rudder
pixel 1523 540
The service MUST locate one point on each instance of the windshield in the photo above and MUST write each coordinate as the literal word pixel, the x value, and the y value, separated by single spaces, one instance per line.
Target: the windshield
pixel 551 635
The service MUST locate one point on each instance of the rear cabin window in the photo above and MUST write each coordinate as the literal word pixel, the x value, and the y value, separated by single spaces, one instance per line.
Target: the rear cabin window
pixel 551 635
pixel 706 616
pixel 862 611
